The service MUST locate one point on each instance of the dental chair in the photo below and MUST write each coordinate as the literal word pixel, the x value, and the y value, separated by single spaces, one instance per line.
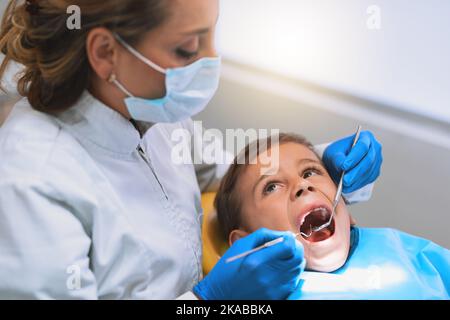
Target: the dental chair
pixel 214 245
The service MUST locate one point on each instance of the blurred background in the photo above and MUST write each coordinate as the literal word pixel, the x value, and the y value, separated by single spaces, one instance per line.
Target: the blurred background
pixel 320 67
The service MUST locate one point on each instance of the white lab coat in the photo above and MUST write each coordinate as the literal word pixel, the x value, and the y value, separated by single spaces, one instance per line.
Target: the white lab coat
pixel 84 215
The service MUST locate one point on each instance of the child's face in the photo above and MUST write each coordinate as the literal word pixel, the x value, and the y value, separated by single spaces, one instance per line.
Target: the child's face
pixel 292 199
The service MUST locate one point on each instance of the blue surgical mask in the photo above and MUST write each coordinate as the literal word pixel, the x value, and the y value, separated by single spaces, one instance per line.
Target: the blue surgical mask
pixel 188 90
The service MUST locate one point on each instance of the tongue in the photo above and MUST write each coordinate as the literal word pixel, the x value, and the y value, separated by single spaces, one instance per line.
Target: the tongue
pixel 320 235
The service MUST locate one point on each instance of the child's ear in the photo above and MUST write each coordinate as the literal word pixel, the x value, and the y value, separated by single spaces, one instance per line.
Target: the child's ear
pixel 235 235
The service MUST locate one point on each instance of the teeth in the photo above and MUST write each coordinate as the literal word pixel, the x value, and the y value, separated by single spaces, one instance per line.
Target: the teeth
pixel 323 211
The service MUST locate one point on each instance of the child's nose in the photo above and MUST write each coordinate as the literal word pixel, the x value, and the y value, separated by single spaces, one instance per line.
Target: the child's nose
pixel 303 188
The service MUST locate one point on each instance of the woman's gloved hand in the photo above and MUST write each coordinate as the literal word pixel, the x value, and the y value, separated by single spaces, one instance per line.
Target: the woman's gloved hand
pixel 361 165
pixel 271 273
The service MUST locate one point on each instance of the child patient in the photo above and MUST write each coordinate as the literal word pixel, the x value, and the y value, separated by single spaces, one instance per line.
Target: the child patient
pixel 342 261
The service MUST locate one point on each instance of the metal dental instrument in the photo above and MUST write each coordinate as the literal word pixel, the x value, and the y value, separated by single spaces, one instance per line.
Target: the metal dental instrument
pixel 246 253
pixel 337 197
pixel 264 245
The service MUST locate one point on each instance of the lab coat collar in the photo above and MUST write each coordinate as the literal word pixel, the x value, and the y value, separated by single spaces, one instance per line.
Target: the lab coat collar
pixel 98 125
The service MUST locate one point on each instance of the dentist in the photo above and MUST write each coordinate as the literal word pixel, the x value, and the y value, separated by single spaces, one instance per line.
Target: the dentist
pixel 91 205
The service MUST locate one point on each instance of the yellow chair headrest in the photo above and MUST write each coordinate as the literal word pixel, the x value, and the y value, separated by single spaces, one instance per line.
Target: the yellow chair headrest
pixel 214 245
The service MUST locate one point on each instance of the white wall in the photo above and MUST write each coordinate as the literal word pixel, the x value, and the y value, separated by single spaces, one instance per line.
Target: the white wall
pixel 2 5
pixel 405 64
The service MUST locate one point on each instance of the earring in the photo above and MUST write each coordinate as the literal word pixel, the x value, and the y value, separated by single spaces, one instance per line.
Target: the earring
pixel 112 78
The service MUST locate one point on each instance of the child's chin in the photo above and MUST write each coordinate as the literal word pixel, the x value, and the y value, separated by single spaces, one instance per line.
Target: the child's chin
pixel 326 265
pixel 327 261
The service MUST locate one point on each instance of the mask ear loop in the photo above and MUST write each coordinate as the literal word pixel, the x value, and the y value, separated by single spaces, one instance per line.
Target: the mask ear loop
pixel 139 55
pixel 113 79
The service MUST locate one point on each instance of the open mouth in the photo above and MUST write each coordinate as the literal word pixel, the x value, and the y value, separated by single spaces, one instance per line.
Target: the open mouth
pixel 313 219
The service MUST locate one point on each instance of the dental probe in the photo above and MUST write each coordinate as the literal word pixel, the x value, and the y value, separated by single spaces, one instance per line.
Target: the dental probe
pixel 264 245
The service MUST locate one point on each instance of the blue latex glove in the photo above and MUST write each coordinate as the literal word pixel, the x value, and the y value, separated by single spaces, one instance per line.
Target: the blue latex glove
pixel 361 165
pixel 271 273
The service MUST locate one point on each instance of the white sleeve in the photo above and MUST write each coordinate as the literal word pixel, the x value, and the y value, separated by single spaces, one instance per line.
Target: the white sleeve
pixel 44 250
pixel 360 195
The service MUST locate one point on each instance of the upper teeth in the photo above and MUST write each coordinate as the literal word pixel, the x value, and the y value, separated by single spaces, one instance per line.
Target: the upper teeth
pixel 323 211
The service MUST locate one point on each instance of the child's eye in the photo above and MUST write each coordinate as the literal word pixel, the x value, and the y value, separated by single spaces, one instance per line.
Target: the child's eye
pixel 309 173
pixel 270 187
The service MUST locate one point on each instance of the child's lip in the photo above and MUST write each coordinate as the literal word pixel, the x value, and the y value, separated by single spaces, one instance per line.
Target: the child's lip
pixel 308 209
